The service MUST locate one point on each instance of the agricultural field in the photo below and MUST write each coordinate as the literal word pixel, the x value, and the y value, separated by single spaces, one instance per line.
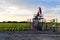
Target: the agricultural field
pixel 17 26
pixel 13 26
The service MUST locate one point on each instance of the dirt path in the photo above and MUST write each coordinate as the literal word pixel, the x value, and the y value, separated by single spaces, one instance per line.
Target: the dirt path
pixel 22 35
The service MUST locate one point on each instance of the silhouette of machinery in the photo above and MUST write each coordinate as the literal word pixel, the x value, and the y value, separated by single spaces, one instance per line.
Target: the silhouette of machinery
pixel 37 20
pixel 39 23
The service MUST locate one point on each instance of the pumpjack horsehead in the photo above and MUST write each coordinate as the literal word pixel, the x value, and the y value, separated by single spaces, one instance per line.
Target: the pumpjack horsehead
pixel 36 19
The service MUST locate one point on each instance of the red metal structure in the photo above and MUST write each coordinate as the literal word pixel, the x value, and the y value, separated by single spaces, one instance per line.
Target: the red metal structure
pixel 40 11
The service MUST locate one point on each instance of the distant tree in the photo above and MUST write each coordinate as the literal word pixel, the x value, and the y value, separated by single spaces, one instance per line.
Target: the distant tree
pixel 14 22
pixel 8 21
pixel 23 22
pixel 4 22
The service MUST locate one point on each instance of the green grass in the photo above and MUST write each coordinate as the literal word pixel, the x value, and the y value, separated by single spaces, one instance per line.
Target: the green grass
pixel 16 26
pixel 13 26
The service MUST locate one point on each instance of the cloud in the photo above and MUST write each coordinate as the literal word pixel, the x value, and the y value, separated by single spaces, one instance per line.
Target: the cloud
pixel 51 12
pixel 22 10
pixel 12 12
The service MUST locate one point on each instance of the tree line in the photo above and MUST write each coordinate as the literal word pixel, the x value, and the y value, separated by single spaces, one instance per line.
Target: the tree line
pixel 14 22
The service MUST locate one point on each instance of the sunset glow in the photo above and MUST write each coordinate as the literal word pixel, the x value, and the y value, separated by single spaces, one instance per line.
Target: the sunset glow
pixel 21 10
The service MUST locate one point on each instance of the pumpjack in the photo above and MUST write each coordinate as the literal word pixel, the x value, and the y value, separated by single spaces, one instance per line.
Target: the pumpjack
pixel 36 20
pixel 39 23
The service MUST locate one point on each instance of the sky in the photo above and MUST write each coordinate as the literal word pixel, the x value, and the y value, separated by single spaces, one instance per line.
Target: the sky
pixel 23 10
